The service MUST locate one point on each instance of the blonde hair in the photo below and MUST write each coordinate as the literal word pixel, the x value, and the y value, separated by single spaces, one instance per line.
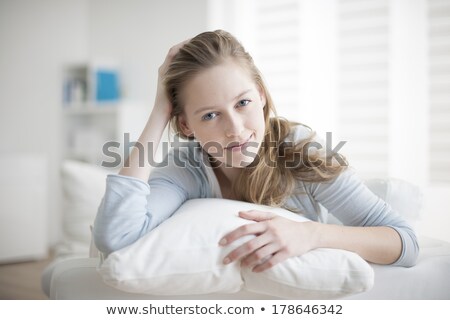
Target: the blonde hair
pixel 259 182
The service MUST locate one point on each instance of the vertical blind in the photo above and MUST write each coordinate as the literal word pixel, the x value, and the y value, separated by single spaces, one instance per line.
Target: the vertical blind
pixel 363 40
pixel 364 46
pixel 363 72
pixel 277 50
pixel 439 90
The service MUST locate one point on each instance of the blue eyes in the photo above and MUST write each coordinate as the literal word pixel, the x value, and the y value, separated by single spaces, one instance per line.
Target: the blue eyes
pixel 212 115
pixel 243 103
pixel 209 116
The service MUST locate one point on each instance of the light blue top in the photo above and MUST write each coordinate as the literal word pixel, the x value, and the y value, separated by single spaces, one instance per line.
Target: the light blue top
pixel 131 207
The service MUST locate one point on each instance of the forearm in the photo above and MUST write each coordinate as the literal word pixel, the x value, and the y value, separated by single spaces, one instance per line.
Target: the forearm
pixel 379 244
pixel 138 165
pixel 151 135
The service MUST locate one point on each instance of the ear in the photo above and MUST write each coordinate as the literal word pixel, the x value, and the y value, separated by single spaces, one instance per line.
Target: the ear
pixel 184 126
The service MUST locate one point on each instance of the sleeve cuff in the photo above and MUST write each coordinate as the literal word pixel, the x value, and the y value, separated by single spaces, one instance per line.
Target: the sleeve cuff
pixel 410 249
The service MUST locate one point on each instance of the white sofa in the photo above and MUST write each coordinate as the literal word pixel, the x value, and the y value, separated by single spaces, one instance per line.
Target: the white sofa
pixel 77 278
pixel 73 275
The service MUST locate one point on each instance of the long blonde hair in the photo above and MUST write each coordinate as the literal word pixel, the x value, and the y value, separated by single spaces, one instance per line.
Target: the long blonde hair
pixel 259 182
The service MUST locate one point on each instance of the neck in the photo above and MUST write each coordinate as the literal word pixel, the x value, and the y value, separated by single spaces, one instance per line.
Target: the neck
pixel 228 175
pixel 225 175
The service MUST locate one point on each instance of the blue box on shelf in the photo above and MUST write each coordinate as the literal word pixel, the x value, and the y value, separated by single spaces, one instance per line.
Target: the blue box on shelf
pixel 107 87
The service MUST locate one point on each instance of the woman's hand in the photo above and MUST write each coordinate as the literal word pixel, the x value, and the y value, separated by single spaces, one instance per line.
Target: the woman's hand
pixel 277 239
pixel 162 102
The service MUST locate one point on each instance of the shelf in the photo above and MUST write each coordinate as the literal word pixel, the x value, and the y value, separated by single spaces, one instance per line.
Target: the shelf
pixel 91 81
pixel 94 113
pixel 90 108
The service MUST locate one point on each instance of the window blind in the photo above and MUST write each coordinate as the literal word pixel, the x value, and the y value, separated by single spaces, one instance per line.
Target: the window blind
pixel 277 50
pixel 363 49
pixel 439 89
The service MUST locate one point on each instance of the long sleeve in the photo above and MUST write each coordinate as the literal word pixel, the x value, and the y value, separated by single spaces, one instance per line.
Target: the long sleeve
pixel 122 216
pixel 131 207
pixel 350 201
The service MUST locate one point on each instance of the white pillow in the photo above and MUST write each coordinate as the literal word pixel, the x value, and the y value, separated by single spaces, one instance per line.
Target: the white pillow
pixel 83 186
pixel 404 197
pixel 182 257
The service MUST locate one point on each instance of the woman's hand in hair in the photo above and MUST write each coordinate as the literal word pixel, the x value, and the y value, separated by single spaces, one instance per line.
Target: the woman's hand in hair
pixel 138 164
pixel 162 102
pixel 276 239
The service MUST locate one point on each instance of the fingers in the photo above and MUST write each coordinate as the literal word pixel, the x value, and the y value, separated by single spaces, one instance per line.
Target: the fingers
pixel 257 215
pixel 172 52
pixel 247 248
pixel 280 256
pixel 252 228
pixel 161 97
pixel 260 256
pixel 178 46
pixel 257 253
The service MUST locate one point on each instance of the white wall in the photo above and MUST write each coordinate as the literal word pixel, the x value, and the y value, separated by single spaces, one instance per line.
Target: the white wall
pixel 37 38
pixel 139 33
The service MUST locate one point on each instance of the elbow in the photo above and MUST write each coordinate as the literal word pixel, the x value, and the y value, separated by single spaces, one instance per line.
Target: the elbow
pixel 110 238
pixel 410 250
pixel 411 261
pixel 103 244
pixel 108 245
pixel 106 240
pixel 114 231
pixel 414 256
pixel 415 250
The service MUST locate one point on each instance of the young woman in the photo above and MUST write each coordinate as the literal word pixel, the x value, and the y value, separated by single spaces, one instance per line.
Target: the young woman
pixel 214 96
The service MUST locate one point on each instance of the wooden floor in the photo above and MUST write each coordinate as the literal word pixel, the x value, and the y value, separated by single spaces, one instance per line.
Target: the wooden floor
pixel 22 281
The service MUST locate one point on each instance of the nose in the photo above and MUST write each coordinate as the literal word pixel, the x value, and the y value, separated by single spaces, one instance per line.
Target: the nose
pixel 234 126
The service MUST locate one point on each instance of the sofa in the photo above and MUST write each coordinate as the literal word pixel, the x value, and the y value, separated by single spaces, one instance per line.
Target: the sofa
pixel 78 271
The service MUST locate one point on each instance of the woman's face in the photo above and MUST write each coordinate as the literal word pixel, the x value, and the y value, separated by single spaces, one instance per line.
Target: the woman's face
pixel 224 111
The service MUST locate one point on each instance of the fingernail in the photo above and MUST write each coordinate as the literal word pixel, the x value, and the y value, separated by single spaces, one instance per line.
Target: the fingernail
pixel 226 261
pixel 223 242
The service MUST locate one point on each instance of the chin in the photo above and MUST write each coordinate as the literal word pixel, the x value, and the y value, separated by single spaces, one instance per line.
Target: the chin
pixel 241 162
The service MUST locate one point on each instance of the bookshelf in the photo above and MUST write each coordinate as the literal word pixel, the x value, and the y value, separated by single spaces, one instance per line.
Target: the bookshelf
pixel 93 116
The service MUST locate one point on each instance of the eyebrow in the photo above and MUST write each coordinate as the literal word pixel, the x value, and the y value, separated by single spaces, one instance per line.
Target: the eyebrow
pixel 212 107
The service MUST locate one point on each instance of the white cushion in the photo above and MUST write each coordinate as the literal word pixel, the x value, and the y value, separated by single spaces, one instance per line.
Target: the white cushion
pixel 182 256
pixel 83 186
pixel 404 197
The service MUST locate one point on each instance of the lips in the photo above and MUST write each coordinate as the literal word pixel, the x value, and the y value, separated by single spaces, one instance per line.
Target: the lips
pixel 237 145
